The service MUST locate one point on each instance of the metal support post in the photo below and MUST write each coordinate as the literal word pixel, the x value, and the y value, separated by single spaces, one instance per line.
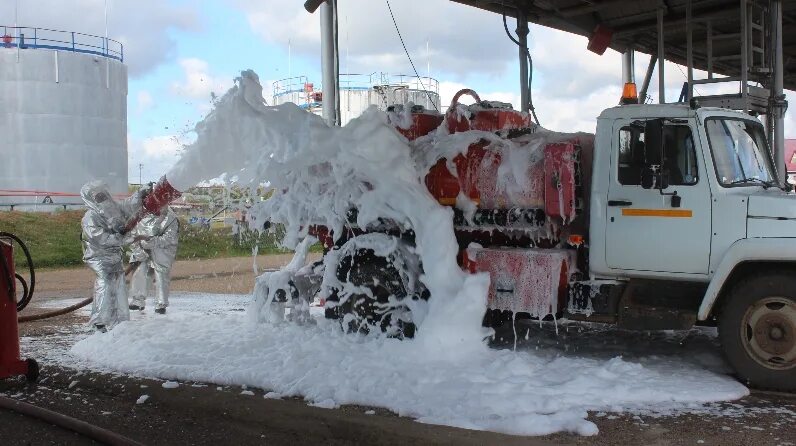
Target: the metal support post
pixel 689 25
pixel 744 56
pixel 522 37
pixel 627 66
pixel 328 63
pixel 642 95
pixel 337 115
pixel 778 103
pixel 709 45
pixel 661 79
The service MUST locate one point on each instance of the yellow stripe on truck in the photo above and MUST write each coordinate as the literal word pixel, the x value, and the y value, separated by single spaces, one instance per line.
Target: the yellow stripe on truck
pixel 666 213
pixel 447 201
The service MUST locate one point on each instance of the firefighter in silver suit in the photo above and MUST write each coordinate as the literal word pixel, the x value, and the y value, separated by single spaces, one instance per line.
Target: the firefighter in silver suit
pixel 103 236
pixel 154 252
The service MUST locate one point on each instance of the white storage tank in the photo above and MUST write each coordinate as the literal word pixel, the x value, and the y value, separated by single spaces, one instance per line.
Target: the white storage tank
pixel 63 116
pixel 359 91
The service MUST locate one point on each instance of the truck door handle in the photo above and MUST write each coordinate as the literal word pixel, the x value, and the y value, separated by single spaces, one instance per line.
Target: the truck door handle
pixel 619 203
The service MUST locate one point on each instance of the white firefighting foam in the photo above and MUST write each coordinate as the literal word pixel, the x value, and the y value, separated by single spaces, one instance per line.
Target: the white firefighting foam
pixel 319 173
pixel 548 384
pixel 445 375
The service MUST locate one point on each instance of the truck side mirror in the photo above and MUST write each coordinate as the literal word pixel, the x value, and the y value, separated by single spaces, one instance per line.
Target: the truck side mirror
pixel 653 142
pixel 647 177
pixel 663 179
pixel 653 174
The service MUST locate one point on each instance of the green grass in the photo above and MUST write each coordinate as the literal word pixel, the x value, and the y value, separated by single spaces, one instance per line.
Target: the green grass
pixel 197 242
pixel 54 239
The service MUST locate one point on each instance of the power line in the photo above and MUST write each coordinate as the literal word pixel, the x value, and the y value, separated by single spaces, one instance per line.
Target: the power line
pixel 410 57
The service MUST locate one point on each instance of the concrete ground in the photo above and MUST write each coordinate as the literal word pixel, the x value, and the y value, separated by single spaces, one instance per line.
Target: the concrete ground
pixel 202 413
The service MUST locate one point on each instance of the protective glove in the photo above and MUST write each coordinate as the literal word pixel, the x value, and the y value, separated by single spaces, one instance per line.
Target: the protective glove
pixel 146 190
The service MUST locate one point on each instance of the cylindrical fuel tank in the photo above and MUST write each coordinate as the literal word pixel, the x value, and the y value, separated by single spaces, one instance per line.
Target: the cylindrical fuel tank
pixel 63 121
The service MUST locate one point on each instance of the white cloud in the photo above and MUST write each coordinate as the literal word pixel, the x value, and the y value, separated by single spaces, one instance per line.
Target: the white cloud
pixel 144 101
pixel 142 26
pixel 462 40
pixel 157 154
pixel 198 83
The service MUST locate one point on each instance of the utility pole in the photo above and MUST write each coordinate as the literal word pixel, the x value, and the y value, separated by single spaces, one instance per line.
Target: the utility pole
pixel 140 176
pixel 330 68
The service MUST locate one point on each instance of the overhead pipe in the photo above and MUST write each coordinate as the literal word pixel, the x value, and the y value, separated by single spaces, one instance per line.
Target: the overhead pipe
pixel 628 76
pixel 642 98
pixel 522 38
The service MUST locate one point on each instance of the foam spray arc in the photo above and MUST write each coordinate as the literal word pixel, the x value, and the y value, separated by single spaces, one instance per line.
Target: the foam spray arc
pixel 319 173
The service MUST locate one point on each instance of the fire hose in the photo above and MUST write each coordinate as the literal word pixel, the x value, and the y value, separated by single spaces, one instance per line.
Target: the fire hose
pixel 81 427
pixel 27 288
pixel 69 309
pixel 49 314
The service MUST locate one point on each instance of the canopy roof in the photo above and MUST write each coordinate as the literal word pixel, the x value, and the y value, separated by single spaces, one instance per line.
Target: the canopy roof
pixel 634 24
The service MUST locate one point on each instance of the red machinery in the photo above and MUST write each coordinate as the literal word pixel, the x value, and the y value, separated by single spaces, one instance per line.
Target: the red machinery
pixel 10 362
pixel 526 220
pixel 523 279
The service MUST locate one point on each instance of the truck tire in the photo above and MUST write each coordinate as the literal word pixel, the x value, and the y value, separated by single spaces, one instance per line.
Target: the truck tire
pixel 360 312
pixel 757 329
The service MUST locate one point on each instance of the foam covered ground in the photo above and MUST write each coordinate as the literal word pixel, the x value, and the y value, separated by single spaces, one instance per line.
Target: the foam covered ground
pixel 542 387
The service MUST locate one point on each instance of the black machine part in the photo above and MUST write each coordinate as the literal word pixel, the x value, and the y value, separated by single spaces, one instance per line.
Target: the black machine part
pixel 27 286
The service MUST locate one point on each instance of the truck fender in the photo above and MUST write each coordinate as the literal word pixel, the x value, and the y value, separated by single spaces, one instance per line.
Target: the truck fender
pixel 745 250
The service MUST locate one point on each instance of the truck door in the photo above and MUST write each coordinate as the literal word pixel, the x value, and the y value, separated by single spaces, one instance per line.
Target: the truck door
pixel 647 229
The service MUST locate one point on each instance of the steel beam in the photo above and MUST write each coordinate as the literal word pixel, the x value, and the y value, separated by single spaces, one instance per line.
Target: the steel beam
pixel 522 37
pixel 661 65
pixel 778 103
pixel 689 48
pixel 574 11
pixel 328 64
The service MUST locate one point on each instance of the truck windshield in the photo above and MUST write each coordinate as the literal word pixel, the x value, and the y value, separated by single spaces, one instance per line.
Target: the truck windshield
pixel 739 152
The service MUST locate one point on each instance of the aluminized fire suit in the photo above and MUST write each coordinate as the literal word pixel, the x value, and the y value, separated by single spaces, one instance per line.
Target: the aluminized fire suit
pixel 103 226
pixel 156 252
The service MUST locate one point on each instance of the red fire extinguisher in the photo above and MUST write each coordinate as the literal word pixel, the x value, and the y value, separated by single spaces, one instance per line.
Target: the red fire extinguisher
pixel 10 362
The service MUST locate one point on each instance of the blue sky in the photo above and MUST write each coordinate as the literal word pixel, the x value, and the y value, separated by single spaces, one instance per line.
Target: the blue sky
pixel 179 51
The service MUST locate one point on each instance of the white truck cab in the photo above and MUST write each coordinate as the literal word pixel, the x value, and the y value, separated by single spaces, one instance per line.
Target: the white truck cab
pixel 686 201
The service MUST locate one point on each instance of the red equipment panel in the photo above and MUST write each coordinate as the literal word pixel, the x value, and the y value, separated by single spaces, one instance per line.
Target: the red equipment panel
pixel 524 280
pixel 600 39
pixel 475 174
pixel 422 125
pixel 10 364
pixel 492 120
pixel 559 174
pixel 482 117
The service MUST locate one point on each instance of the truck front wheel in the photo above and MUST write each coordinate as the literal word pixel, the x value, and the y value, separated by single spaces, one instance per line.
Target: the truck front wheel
pixel 379 297
pixel 757 329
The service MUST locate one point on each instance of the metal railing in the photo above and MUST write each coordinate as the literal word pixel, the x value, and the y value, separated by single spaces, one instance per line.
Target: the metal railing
pixel 356 81
pixel 24 37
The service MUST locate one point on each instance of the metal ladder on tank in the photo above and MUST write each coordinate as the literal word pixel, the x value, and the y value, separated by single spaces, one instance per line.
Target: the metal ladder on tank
pixel 754 59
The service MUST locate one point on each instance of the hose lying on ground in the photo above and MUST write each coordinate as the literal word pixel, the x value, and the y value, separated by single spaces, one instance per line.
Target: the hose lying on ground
pixel 81 427
pixel 49 314
pixel 77 306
